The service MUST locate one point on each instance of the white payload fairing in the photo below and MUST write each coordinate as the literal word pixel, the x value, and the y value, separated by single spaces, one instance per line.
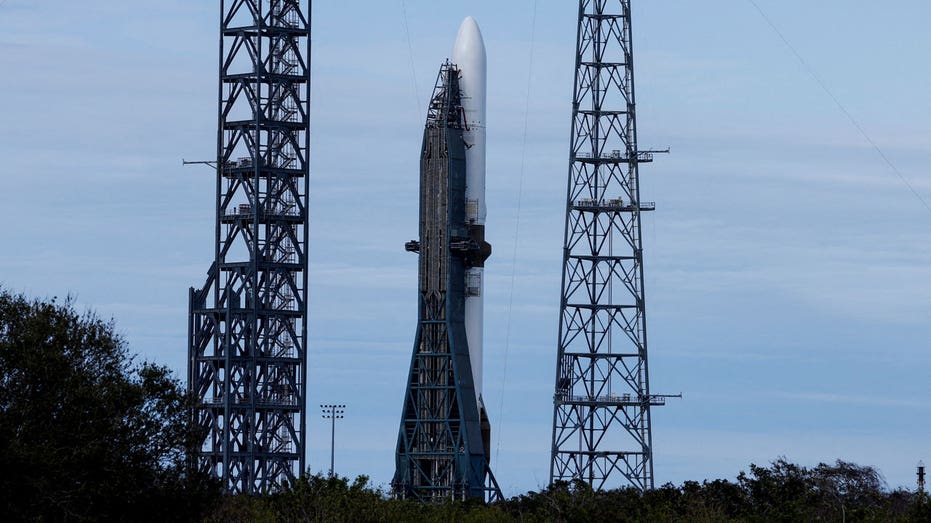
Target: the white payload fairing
pixel 469 57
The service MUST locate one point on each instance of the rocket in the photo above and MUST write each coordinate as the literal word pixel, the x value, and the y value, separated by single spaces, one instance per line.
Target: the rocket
pixel 444 438
pixel 469 56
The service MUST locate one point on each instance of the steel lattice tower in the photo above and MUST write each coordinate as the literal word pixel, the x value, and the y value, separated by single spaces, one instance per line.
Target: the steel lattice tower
pixel 248 323
pixel 601 406
pixel 443 443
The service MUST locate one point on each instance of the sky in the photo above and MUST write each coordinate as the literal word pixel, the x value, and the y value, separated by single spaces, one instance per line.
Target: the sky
pixel 788 265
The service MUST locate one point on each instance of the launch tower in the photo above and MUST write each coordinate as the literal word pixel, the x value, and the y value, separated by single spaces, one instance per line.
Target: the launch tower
pixel 248 324
pixel 443 442
pixel 602 401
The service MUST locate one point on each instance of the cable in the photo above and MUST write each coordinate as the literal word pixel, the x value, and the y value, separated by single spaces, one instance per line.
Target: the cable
pixel 520 192
pixel 410 54
pixel 811 72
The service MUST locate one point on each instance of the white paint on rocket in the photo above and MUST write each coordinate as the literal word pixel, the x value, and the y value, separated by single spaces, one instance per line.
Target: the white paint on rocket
pixel 469 57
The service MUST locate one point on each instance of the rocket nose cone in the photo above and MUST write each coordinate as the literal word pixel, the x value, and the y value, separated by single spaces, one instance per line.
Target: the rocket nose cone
pixel 469 38
pixel 470 23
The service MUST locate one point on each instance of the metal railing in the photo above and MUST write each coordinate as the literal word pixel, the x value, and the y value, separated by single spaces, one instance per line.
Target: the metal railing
pixel 617 399
pixel 613 204
pixel 642 156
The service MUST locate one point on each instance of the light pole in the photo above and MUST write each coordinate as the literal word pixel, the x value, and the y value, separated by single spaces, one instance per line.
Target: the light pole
pixel 332 413
pixel 921 477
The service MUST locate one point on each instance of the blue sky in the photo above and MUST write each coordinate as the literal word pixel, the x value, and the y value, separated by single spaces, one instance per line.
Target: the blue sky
pixel 787 267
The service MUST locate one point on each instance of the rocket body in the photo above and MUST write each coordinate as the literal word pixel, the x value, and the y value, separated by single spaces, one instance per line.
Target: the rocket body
pixel 469 56
pixel 436 461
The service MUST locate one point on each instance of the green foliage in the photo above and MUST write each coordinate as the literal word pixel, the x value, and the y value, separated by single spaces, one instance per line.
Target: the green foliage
pixel 336 499
pixel 842 491
pixel 782 491
pixel 85 433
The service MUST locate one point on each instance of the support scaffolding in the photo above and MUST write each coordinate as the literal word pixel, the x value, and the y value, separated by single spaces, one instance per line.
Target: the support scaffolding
pixel 442 454
pixel 248 323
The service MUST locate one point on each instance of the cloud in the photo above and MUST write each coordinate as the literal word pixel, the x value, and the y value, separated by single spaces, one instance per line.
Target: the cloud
pixel 855 400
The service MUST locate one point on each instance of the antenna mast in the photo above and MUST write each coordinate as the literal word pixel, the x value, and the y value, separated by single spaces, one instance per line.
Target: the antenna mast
pixel 601 406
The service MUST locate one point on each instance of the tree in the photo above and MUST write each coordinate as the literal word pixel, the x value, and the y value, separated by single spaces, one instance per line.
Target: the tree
pixel 86 433
pixel 857 491
pixel 783 492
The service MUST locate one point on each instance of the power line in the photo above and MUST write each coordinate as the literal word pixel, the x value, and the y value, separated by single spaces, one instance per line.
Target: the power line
pixel 814 75
pixel 520 192
pixel 410 53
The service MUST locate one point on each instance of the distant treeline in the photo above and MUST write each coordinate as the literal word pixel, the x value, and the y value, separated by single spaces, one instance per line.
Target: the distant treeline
pixel 89 434
pixel 781 492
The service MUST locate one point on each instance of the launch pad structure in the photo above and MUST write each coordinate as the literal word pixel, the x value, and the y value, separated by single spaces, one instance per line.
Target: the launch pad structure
pixel 443 442
pixel 247 332
pixel 602 401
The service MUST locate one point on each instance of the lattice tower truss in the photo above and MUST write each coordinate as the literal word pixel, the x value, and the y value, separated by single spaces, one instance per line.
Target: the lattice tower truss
pixel 248 323
pixel 601 408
